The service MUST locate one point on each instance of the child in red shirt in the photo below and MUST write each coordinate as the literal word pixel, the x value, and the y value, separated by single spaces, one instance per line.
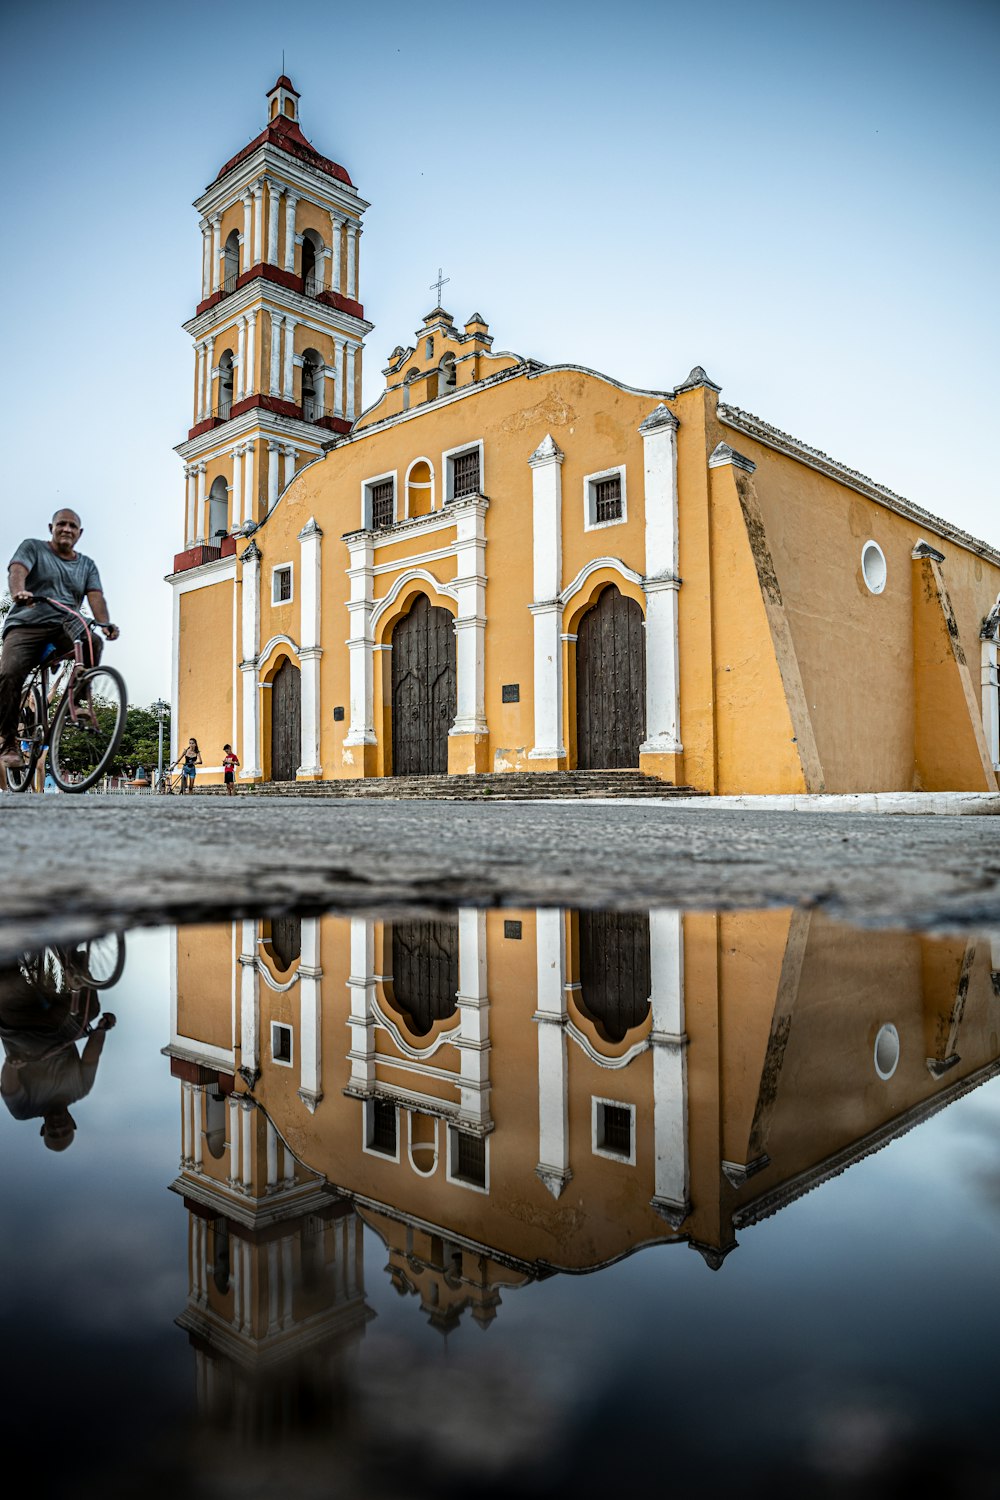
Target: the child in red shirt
pixel 230 761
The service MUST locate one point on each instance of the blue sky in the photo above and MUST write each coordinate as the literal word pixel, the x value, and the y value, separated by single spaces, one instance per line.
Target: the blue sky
pixel 801 198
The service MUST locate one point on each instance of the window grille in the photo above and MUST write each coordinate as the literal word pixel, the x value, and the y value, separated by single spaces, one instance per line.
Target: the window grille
pixel 465 474
pixel 616 1134
pixel 471 1158
pixel 608 499
pixel 282 585
pixel 383 506
pixel 383 1136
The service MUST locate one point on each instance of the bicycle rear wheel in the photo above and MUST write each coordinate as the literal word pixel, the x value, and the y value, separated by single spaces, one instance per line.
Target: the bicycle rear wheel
pixel 30 733
pixel 84 740
pixel 100 962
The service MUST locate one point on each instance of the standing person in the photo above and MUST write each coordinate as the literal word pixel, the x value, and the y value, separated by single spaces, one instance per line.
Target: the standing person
pixel 39 571
pixel 188 760
pixel 230 761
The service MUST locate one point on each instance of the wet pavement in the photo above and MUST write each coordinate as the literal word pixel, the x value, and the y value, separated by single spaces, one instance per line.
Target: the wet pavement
pixel 78 865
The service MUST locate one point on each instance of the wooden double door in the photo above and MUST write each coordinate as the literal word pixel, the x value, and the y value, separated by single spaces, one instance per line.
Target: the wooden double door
pixel 423 690
pixel 610 684
pixel 286 722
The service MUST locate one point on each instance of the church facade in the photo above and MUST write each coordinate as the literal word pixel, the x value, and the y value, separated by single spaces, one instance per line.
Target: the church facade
pixel 503 565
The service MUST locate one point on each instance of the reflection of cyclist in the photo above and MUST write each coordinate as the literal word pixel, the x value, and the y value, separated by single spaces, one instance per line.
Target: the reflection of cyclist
pixel 44 1073
pixel 47 569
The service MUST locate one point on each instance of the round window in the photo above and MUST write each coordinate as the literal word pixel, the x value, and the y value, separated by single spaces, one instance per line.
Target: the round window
pixel 873 567
pixel 886 1051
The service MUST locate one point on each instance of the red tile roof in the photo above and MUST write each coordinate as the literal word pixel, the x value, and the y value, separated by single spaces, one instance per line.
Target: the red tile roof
pixel 284 82
pixel 285 134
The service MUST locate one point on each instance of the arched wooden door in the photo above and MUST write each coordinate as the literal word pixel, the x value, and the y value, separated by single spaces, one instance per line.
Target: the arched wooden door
pixel 423 690
pixel 425 972
pixel 286 722
pixel 614 970
pixel 610 684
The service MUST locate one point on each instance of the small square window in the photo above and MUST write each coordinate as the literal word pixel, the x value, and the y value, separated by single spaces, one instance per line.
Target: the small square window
pixel 281 1043
pixel 604 499
pixel 281 584
pixel 469 1158
pixel 382 1134
pixel 511 929
pixel 614 1130
pixel 464 473
pixel 379 502
pixel 510 692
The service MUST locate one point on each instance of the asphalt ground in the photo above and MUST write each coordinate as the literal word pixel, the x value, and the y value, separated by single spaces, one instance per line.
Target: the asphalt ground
pixel 75 867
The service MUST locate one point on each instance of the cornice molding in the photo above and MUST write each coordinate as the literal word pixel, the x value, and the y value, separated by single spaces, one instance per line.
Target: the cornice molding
pixel 288 172
pixel 278 299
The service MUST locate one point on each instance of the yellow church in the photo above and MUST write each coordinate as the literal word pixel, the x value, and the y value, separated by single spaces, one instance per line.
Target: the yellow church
pixel 509 566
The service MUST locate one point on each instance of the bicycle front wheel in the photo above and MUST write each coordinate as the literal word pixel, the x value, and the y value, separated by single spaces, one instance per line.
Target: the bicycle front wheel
pixel 101 962
pixel 87 729
pixel 30 735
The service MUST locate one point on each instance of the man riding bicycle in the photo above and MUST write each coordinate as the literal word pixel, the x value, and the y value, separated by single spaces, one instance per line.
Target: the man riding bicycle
pixel 39 571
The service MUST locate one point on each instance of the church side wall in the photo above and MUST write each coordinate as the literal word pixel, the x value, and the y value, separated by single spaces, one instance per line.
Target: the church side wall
pixel 204 697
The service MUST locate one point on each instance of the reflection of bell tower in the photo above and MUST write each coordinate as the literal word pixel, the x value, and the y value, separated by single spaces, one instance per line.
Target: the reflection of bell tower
pixel 276 1266
pixel 277 330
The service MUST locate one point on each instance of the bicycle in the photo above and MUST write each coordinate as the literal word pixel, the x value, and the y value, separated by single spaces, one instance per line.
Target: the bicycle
pixel 73 712
pixel 59 969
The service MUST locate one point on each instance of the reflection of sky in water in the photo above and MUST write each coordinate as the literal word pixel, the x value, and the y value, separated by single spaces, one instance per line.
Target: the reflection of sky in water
pixel 857 1324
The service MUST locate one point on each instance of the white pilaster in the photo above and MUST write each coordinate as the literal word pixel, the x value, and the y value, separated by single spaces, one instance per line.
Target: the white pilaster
pixel 248 482
pixel 201 524
pixel 553 1064
pixel 291 199
pixel 241 349
pixel 234 1139
pixel 289 383
pixel 273 454
pixel 216 251
pixel 473 1040
pixel 310 539
pixel 271 1153
pixel 470 623
pixel 668 1041
pixel 206 258
pixel 273 199
pixel 290 455
pixel 250 645
pixel 276 322
pixel 191 475
pixel 991 698
pixel 249 373
pixel 202 349
pixel 353 351
pixel 310 1018
pixel 338 376
pixel 659 442
pixel 246 1166
pixel 322 261
pixel 361 551
pixel 247 246
pixel 336 239
pixel 546 489
pixel 361 986
pixel 249 1005
pixel 237 486
pixel 257 254
pixel 353 231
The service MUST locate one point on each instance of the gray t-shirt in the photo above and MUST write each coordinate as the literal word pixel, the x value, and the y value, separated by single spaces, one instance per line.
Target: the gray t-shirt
pixel 52 576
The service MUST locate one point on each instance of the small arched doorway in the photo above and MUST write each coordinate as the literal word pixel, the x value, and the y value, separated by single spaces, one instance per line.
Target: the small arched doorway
pixel 312 385
pixel 286 722
pixel 231 262
pixel 312 249
pixel 225 385
pixel 610 684
pixel 423 690
pixel 218 511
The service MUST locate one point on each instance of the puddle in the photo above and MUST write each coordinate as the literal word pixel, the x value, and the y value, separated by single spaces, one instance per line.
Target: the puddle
pixel 501 1202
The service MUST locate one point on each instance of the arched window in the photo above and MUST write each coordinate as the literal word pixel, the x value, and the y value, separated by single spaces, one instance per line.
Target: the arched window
pixel 411 376
pixel 425 972
pixel 419 488
pixel 312 385
pixel 312 250
pixel 215 1124
pixel 218 511
pixel 231 267
pixel 447 375
pixel 225 386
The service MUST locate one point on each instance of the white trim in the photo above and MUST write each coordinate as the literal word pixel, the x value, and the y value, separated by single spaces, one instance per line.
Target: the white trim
pixel 274 165
pixel 891 1033
pixel 366 496
pixel 447 1035
pixel 597 1105
pixel 411 575
pixel 275 570
pixel 448 456
pixel 594 566
pixel 871 549
pixel 276 640
pixel 421 459
pixel 590 499
pixel 283 1062
pixel 454 1130
pixel 989 654
pixel 582 1040
pixel 422 1144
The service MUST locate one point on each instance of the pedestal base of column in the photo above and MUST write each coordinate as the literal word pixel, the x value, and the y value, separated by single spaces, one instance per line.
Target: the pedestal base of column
pixel 673 1213
pixel 547 760
pixel 309 773
pixel 358 761
pixel 665 765
pixel 554 1178
pixel 468 754
pixel 310 1099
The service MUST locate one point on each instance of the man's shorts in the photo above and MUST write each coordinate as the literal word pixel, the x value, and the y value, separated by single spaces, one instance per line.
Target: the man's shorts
pixel 227 777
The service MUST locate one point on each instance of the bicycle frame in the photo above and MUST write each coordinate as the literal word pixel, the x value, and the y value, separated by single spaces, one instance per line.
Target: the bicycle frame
pixel 55 678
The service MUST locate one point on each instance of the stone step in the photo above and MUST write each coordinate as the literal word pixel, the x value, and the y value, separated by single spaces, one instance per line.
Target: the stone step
pixel 499 786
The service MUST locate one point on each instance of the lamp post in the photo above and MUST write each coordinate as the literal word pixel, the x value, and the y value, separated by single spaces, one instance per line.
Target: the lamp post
pixel 161 710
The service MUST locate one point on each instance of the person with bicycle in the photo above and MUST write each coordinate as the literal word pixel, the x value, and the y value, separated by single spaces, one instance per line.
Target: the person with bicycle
pixel 40 572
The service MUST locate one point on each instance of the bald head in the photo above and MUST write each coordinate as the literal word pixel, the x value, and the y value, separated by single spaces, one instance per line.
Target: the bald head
pixel 67 514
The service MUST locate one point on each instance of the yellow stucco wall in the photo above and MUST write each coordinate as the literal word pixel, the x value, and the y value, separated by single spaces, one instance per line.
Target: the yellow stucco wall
pixel 204 706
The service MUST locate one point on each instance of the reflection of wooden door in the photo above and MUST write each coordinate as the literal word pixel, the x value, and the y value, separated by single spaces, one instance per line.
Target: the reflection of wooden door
pixel 423 690
pixel 286 722
pixel 425 972
pixel 610 684
pixel 614 970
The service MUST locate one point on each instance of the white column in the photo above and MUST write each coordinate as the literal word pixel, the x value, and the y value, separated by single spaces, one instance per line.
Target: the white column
pixel 310 539
pixel 190 474
pixel 216 250
pixel 257 253
pixel 310 1017
pixel 338 376
pixel 237 487
pixel 336 240
pixel 202 349
pixel 247 246
pixel 246 1176
pixel 206 258
pixel 546 542
pixel 241 349
pixel 273 198
pixel 251 768
pixel 352 242
pixel 276 322
pixel 273 454
pixel 249 1006
pixel 200 521
pixel 361 552
pixel 322 260
pixel 352 372
pixel 234 1139
pixel 659 442
pixel 473 1040
pixel 271 1147
pixel 290 455
pixel 361 985
pixel 668 1041
pixel 553 1064
pixel 991 698
pixel 289 383
pixel 470 623
pixel 248 482
pixel 290 201
pixel 186 1128
pixel 249 374
pixel 197 1132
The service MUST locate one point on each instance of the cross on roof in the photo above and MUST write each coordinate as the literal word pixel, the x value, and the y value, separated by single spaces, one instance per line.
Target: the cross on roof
pixel 441 281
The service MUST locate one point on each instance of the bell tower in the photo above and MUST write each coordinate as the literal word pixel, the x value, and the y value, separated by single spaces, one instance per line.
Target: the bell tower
pixel 277 332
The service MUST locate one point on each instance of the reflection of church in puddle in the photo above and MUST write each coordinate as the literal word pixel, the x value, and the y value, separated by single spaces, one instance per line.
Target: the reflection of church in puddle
pixel 501 1096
